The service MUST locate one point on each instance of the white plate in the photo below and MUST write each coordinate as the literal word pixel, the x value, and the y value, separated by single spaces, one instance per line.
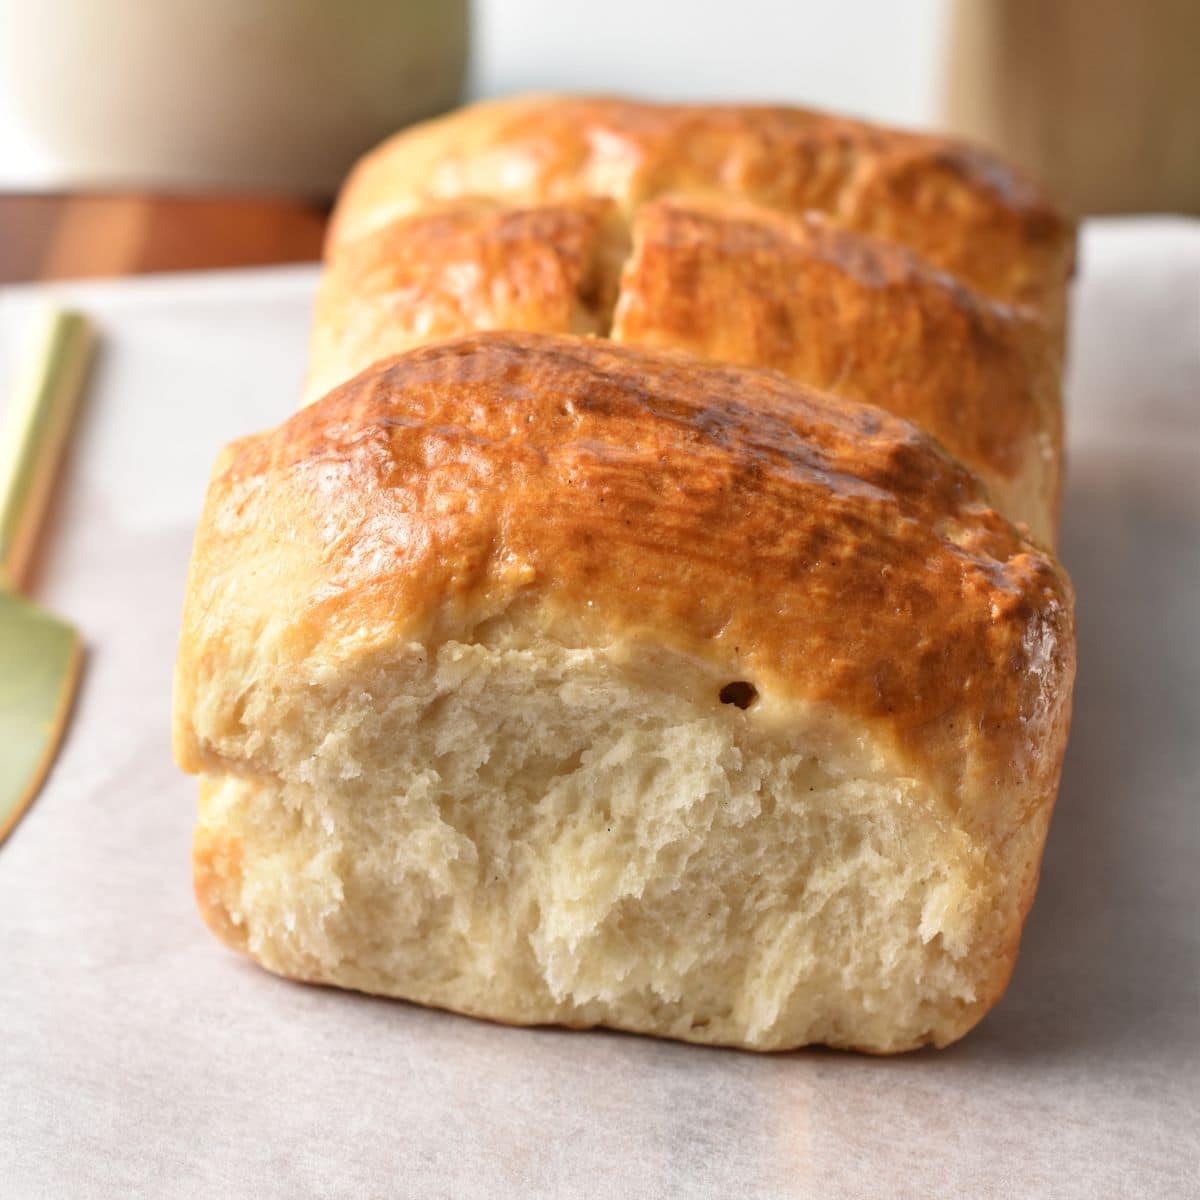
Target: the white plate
pixel 139 1057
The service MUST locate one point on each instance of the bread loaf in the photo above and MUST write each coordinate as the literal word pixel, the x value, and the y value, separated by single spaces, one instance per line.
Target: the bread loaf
pixel 932 282
pixel 550 680
pixel 959 207
pixel 631 630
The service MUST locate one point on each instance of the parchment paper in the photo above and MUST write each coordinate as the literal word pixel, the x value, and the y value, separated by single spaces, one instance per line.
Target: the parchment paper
pixel 140 1058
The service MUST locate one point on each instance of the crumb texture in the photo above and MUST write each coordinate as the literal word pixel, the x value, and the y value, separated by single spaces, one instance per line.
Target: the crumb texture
pixel 540 835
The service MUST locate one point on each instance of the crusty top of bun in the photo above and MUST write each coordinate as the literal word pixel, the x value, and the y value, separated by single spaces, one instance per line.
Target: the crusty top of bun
pixel 728 281
pixel 731 282
pixel 472 265
pixel 863 317
pixel 957 205
pixel 821 550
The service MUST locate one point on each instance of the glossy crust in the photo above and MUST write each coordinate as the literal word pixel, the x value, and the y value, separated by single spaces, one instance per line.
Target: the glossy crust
pixel 730 282
pixel 862 317
pixel 958 206
pixel 473 266
pixel 822 549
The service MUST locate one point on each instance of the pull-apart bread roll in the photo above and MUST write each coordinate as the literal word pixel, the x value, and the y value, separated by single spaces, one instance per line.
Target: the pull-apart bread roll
pixel 829 307
pixel 959 207
pixel 550 680
pixel 908 271
pixel 474 266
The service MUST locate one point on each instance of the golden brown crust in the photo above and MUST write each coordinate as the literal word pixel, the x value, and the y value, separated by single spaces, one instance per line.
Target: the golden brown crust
pixel 823 550
pixel 842 312
pixel 517 214
pixel 865 318
pixel 956 205
pixel 474 266
pixel 728 281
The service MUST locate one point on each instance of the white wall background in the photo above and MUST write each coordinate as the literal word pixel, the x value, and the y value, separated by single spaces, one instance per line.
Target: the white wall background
pixel 874 58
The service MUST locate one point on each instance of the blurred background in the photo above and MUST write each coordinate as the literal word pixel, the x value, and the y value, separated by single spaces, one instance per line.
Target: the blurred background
pixel 137 135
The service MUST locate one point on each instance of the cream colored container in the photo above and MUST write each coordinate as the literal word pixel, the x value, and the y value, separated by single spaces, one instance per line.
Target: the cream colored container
pixel 264 94
pixel 1099 101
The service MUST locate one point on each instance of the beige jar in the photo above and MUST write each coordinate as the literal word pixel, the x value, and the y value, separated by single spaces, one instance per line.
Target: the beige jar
pixel 270 94
pixel 1098 98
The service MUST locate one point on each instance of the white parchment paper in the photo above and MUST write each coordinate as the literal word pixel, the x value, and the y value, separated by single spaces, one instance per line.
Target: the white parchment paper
pixel 140 1058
